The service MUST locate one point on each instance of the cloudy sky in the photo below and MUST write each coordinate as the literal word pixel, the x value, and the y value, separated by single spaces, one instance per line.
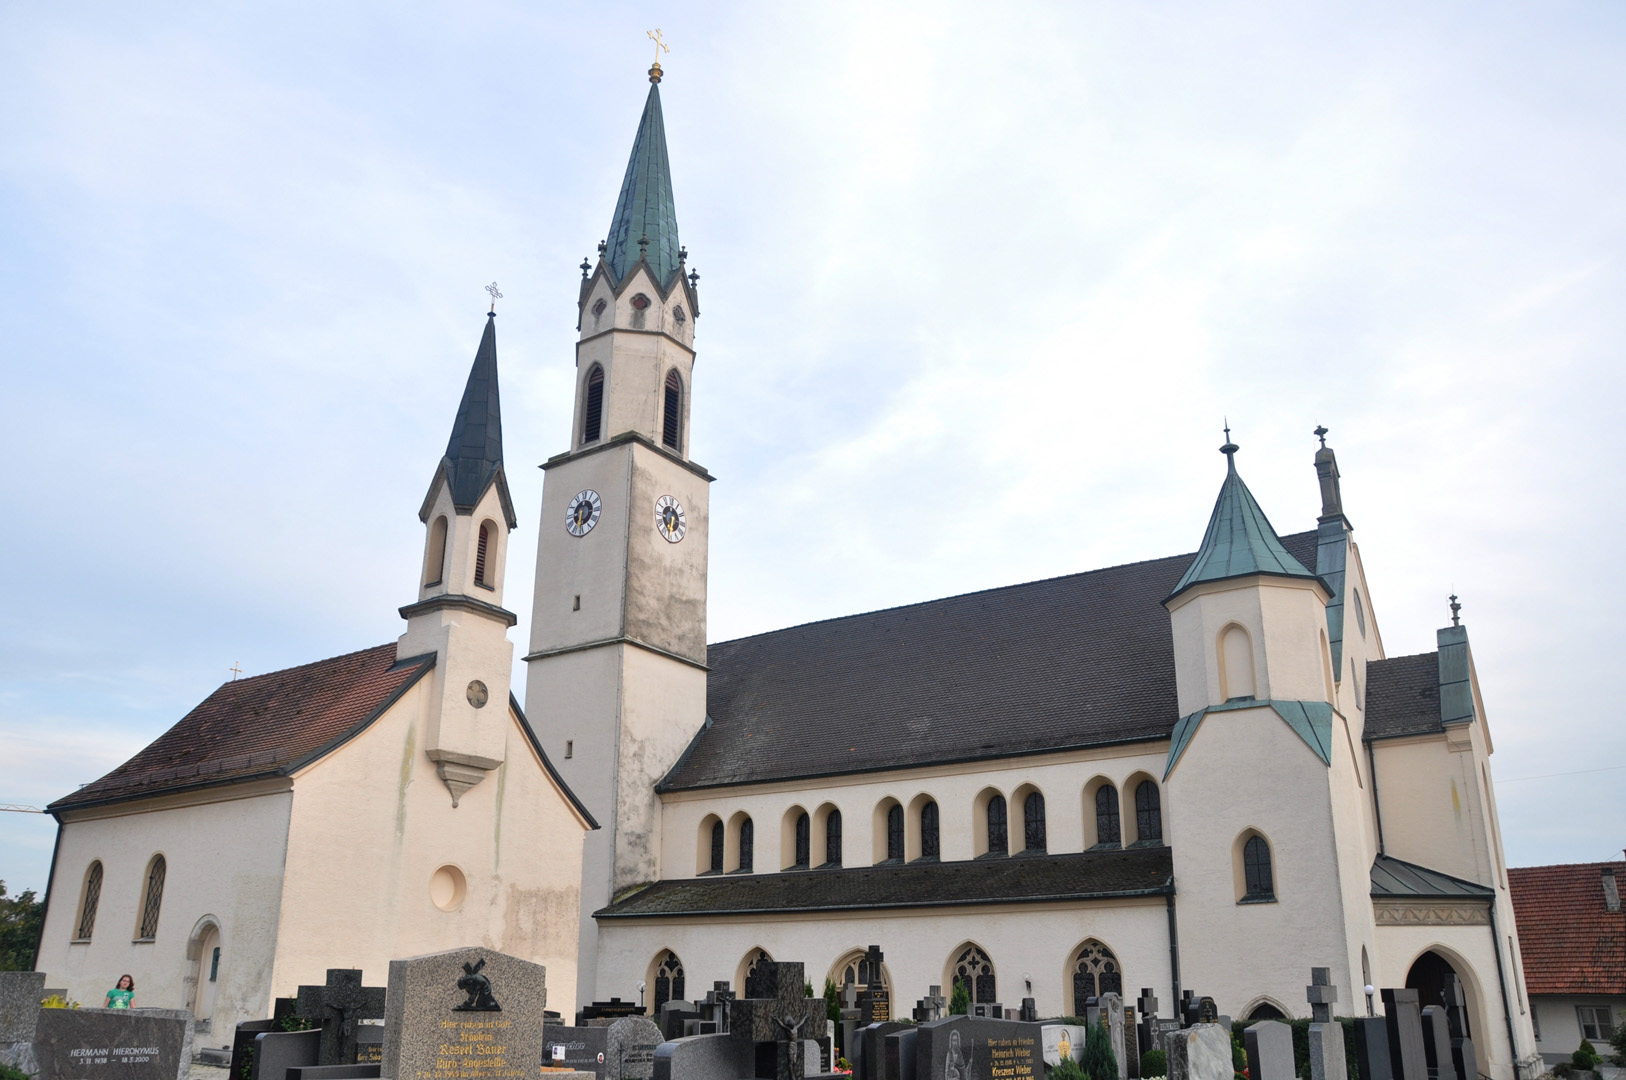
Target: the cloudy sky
pixel 979 285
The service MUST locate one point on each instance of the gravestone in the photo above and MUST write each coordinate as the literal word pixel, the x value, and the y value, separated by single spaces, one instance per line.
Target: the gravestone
pixel 1405 1023
pixel 1269 1045
pixel 873 1042
pixel 900 1055
pixel 1112 1004
pixel 874 1003
pixel 579 1048
pixel 1372 1049
pixel 1463 1058
pixel 1327 1060
pixel 336 1005
pixel 242 1046
pixel 607 1011
pixel 1147 1006
pixel 275 1052
pixel 334 1072
pixel 1131 1043
pixel 1062 1040
pixel 704 1057
pixel 1437 1044
pixel 629 1048
pixel 671 1017
pixel 974 1048
pixel 20 994
pixel 1029 1013
pixel 779 1021
pixel 464 1014
pixel 113 1044
pixel 1199 1052
pixel 1163 1029
pixel 850 1022
pixel 369 1044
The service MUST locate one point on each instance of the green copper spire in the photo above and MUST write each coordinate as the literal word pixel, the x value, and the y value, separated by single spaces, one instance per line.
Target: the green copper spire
pixel 644 210
pixel 1239 541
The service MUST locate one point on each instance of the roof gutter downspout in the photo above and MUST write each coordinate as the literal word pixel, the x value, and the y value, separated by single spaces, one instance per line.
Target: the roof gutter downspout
pixel 1501 978
pixel 1377 809
pixel 39 941
pixel 1174 947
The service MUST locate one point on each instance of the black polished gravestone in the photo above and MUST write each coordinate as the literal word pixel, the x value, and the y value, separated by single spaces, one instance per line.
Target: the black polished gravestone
pixel 334 1072
pixel 1405 1023
pixel 872 1059
pixel 579 1048
pixel 975 1048
pixel 1372 1049
pixel 874 1004
pixel 113 1044
pixel 607 1012
pixel 900 1055
pixel 779 1021
pixel 1463 1058
pixel 1437 1044
pixel 242 1046
pixel 336 1005
pixel 276 1052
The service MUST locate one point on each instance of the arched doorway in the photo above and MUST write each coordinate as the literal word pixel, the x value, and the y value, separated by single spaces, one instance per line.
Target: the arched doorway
pixel 204 952
pixel 1428 976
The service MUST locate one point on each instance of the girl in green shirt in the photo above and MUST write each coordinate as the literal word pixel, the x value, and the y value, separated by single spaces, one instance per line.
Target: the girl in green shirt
pixel 119 997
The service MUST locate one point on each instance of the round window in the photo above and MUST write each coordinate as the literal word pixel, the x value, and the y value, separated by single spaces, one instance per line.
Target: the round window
pixel 448 887
pixel 640 302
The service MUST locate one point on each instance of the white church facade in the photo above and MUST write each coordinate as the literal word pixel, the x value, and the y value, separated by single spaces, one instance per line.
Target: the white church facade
pixel 1199 771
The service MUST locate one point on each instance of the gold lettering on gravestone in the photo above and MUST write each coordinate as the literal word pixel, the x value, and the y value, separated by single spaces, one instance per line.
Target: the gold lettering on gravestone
pixel 1011 1059
pixel 473 1050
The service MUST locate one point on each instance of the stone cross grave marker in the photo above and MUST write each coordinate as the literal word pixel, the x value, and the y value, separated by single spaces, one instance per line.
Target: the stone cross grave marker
pixel 714 1010
pixel 975 1048
pixel 1327 1060
pixel 1146 1006
pixel 1269 1044
pixel 782 1019
pixel 113 1044
pixel 337 1005
pixel 464 1014
pixel 851 1021
pixel 1405 1023
pixel 1463 1058
pixel 1437 1044
pixel 875 1003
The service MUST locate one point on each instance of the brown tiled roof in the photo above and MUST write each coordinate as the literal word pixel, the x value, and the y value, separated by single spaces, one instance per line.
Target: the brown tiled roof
pixel 268 725
pixel 1403 696
pixel 1091 875
pixel 1082 660
pixel 1571 943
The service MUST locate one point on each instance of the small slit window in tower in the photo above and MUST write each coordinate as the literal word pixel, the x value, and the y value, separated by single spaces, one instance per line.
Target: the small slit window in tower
pixel 434 563
pixel 673 413
pixel 747 844
pixel 593 411
pixel 480 557
pixel 570 748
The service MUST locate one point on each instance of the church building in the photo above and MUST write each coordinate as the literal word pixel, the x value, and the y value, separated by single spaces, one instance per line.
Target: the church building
pixel 1200 771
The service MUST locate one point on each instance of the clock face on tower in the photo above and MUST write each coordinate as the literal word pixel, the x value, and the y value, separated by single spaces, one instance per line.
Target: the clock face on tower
pixel 669 519
pixel 582 513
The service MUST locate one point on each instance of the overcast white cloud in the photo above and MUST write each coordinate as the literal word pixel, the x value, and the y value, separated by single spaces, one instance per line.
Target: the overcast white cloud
pixel 979 284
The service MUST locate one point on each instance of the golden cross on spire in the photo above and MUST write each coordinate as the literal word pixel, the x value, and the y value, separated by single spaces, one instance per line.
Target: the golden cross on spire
pixel 660 47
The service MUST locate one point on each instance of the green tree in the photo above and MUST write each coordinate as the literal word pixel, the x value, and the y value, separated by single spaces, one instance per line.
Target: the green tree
pixel 1618 1041
pixel 1099 1059
pixel 960 1003
pixel 20 918
pixel 1067 1069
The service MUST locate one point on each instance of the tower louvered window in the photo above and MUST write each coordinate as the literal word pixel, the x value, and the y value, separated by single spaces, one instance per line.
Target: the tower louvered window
pixel 593 412
pixel 998 830
pixel 152 901
pixel 1033 831
pixel 673 413
pixel 928 831
pixel 1107 829
pixel 1148 813
pixel 93 897
pixel 480 556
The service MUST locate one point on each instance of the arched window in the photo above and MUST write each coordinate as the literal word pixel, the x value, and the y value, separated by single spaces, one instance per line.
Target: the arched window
pixel 89 901
pixel 998 830
pixel 1107 827
pixel 852 969
pixel 750 979
pixel 976 971
pixel 668 979
pixel 593 409
pixel 1256 871
pixel 434 559
pixel 1033 836
pixel 718 835
pixel 747 842
pixel 1148 813
pixel 929 845
pixel 1095 972
pixel 480 553
pixel 673 412
pixel 894 834
pixel 1236 663
pixel 152 900
pixel 1360 612
pixel 832 839
pixel 804 837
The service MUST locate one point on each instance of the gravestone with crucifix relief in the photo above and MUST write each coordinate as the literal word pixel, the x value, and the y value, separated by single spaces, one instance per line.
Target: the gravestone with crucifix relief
pixel 780 1020
pixel 337 1005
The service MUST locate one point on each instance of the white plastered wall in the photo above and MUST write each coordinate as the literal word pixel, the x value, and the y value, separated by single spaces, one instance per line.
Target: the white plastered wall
pixel 1560 1024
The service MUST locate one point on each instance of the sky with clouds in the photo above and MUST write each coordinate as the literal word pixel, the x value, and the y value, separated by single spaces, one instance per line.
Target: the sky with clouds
pixel 979 285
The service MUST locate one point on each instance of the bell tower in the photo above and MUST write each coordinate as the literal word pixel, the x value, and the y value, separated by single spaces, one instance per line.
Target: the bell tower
pixel 616 668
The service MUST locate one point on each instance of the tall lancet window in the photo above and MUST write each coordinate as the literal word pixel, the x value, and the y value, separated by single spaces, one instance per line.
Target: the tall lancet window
pixel 593 407
pixel 998 831
pixel 894 834
pixel 481 574
pixel 434 560
pixel 673 413
pixel 804 838
pixel 929 845
pixel 1107 829
pixel 832 839
pixel 1033 831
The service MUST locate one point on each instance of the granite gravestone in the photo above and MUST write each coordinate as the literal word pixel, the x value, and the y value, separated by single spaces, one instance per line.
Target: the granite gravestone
pixel 275 1052
pixel 872 1040
pixel 607 1012
pixel 1326 1035
pixel 1372 1049
pixel 113 1044
pixel 337 1005
pixel 875 1003
pixel 705 1057
pixel 242 1046
pixel 780 1020
pixel 333 1072
pixel 1405 1025
pixel 1199 1052
pixel 1131 1043
pixel 1062 1040
pixel 977 1048
pixel 900 1055
pixel 579 1048
pixel 20 994
pixel 1146 1005
pixel 1437 1044
pixel 629 1048
pixel 1463 1058
pixel 1269 1045
pixel 464 1014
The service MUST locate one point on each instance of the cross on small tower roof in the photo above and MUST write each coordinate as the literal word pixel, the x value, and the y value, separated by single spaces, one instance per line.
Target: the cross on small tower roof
pixel 495 295
pixel 1456 609
pixel 1230 448
pixel 1321 433
pixel 236 668
pixel 660 47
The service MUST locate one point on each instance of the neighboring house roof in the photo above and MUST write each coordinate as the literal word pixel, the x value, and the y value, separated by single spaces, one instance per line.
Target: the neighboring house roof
pixel 266 725
pixel 1239 541
pixel 1403 696
pixel 1396 879
pixel 1570 941
pixel 1088 875
pixel 1082 660
pixel 644 209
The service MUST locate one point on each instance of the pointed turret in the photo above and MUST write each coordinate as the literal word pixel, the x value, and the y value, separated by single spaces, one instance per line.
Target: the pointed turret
pixel 645 221
pixel 473 460
pixel 1239 541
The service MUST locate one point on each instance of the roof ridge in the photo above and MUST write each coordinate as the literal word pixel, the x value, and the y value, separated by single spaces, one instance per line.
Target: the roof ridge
pixel 309 664
pixel 1567 866
pixel 1404 656
pixel 974 592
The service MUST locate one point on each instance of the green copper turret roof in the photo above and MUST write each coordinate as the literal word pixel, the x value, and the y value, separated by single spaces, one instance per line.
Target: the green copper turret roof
pixel 645 209
pixel 1239 541
pixel 473 458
